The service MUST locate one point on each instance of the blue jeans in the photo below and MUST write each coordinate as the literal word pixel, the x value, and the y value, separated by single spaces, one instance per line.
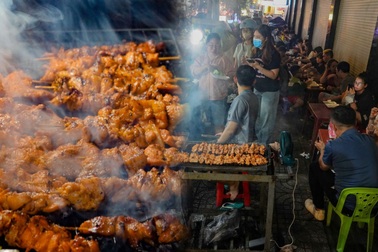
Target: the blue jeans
pixel 267 115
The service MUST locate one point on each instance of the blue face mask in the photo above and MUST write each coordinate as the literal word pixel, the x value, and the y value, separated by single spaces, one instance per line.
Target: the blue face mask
pixel 257 43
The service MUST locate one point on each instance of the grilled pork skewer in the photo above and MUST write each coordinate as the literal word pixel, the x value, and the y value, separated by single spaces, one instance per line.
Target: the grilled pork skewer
pixel 165 228
pixel 37 234
pixel 160 58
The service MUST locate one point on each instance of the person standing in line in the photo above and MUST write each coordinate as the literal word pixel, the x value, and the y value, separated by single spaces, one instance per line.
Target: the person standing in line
pixel 267 62
pixel 244 49
pixel 213 69
pixel 350 160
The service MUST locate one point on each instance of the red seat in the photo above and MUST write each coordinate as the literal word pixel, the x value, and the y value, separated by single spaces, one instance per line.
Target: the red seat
pixel 220 195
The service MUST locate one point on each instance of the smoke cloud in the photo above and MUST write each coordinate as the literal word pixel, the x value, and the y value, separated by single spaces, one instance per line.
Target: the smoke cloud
pixel 32 27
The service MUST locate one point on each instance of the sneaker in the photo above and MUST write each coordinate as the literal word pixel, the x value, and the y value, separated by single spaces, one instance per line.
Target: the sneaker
pixel 317 213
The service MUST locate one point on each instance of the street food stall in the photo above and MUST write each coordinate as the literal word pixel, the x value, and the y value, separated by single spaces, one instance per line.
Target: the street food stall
pixel 232 162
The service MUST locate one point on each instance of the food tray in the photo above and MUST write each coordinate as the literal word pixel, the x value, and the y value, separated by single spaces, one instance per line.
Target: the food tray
pixel 224 157
pixel 331 104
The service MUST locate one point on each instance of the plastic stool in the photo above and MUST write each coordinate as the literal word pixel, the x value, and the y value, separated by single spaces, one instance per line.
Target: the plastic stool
pixel 220 195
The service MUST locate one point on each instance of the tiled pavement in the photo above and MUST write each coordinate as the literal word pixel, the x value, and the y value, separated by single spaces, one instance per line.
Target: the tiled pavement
pixel 307 233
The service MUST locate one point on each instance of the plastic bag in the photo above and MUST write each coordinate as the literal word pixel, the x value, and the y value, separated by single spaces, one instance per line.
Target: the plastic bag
pixel 224 226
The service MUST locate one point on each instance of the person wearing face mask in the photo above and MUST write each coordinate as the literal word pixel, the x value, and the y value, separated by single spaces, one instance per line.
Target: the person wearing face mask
pixel 213 88
pixel 244 49
pixel 267 88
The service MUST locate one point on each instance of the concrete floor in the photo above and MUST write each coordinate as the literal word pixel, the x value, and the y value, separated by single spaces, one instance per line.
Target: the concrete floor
pixel 306 233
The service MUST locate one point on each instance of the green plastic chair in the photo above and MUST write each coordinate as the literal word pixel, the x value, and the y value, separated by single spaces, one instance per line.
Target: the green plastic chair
pixel 366 199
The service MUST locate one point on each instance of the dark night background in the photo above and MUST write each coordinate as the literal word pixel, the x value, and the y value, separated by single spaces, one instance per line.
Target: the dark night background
pixel 91 13
pixel 32 27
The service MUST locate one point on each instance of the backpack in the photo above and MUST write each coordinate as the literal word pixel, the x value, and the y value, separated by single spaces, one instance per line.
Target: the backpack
pixel 283 78
pixel 287 147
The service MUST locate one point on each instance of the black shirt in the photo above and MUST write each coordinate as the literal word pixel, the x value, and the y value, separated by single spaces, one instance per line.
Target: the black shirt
pixel 365 102
pixel 263 83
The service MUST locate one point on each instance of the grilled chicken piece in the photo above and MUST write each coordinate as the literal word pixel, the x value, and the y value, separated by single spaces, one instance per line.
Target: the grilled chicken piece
pixel 155 155
pixel 133 157
pixel 86 194
pixel 173 180
pixel 169 228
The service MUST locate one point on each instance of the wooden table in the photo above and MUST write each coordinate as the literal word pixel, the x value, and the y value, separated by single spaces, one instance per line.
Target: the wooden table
pixel 321 114
pixel 312 93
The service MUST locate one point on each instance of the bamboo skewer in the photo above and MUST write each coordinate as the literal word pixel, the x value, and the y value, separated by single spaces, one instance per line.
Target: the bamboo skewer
pixel 72 228
pixel 41 82
pixel 44 87
pixel 170 58
pixel 177 79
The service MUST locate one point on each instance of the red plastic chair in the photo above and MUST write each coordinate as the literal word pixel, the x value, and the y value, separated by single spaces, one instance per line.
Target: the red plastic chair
pixel 220 195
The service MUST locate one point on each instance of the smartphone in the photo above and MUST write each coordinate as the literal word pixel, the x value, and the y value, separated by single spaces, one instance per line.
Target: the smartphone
pixel 250 60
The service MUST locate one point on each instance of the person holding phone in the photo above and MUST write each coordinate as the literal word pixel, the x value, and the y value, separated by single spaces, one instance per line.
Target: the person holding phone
pixel 266 62
pixel 350 160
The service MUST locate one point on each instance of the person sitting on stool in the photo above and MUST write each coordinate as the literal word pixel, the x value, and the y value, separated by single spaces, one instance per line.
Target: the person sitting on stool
pixel 351 160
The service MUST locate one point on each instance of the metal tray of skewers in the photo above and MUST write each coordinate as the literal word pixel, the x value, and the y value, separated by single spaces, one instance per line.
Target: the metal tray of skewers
pixel 213 156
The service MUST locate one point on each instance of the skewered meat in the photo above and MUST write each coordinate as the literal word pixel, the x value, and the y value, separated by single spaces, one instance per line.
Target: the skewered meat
pixel 220 154
pixel 17 179
pixel 31 203
pixel 167 228
pixel 23 89
pixel 85 194
pixel 90 193
pixel 123 227
pixel 155 155
pixel 134 157
pixel 122 102
pixel 37 234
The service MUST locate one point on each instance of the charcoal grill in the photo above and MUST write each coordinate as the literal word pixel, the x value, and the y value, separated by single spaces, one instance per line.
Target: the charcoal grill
pixel 261 174
pixel 248 230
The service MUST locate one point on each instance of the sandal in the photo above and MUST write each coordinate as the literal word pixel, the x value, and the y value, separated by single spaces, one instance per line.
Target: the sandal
pixel 232 205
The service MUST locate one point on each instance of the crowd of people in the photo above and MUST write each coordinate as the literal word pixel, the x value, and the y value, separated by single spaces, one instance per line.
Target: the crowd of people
pixel 255 75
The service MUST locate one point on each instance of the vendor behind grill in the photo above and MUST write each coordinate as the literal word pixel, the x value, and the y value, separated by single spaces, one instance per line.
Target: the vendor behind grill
pixel 241 119
pixel 240 127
